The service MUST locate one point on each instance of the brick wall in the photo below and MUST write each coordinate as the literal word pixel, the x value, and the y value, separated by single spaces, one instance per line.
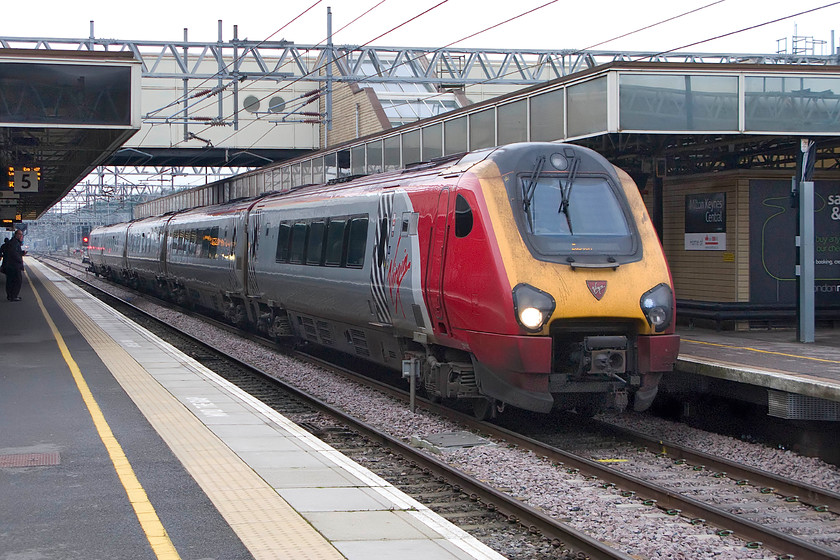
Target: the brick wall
pixel 356 113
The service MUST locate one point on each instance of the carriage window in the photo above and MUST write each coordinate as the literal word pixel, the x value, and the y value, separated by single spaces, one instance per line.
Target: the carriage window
pixel 315 245
pixel 284 232
pixel 298 246
pixel 356 243
pixel 463 217
pixel 335 242
pixel 214 241
pixel 205 242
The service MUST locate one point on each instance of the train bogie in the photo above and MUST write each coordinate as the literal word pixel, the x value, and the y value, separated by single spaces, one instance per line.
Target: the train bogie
pixel 527 275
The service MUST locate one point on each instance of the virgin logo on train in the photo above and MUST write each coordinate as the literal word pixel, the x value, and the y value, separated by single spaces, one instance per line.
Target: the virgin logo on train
pixel 597 287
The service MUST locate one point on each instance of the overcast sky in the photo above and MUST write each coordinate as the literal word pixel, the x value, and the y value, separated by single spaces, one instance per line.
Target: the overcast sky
pixel 561 24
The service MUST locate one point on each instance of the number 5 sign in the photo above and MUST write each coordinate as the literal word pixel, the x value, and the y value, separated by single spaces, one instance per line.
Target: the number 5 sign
pixel 26 180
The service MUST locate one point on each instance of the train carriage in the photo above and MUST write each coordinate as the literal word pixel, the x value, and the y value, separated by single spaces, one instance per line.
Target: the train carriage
pixel 106 250
pixel 587 279
pixel 144 253
pixel 205 260
pixel 527 274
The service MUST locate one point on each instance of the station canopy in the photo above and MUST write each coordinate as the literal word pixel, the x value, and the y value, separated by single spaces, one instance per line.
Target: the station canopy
pixel 62 113
pixel 705 117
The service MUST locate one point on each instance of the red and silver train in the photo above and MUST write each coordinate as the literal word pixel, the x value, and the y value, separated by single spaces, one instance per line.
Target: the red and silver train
pixel 526 275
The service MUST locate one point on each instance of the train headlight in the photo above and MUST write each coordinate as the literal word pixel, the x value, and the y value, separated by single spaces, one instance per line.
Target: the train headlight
pixel 559 162
pixel 533 307
pixel 658 307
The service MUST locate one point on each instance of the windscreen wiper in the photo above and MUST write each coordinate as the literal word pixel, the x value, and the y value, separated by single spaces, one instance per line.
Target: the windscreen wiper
pixel 567 192
pixel 529 188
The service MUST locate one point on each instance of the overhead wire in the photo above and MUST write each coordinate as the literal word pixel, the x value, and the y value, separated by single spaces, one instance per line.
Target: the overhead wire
pixel 750 28
pixel 652 25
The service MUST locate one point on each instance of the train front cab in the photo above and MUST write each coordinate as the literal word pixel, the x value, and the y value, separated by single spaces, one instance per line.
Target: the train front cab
pixel 588 326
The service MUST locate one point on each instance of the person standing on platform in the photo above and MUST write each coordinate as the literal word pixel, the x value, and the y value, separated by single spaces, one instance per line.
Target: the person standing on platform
pixel 13 265
pixel 2 254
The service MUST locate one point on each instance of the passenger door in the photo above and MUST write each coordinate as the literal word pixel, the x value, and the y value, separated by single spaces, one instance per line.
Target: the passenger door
pixel 239 240
pixel 254 221
pixel 433 283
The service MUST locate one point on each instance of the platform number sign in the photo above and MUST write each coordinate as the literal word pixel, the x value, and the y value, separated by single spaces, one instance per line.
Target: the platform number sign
pixel 24 179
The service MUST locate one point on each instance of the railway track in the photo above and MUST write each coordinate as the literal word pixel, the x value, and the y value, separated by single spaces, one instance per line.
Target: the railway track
pixel 595 454
pixel 814 510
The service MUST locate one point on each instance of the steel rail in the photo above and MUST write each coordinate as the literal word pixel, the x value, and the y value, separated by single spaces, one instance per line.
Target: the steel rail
pixel 676 503
pixel 804 492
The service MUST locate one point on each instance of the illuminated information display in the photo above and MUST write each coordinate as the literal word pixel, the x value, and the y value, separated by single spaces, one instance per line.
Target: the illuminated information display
pixel 24 179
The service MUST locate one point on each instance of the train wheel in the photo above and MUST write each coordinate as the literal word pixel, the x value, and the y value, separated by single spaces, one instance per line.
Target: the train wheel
pixel 484 409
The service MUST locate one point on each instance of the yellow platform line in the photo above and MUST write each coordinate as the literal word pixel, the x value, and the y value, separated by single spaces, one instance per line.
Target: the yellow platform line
pixel 265 523
pixel 759 350
pixel 155 533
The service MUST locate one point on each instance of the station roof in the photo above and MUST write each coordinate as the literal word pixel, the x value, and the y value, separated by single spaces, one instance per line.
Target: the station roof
pixel 62 113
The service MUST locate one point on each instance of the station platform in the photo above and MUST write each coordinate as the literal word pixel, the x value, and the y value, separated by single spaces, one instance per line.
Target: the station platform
pixel 115 445
pixel 771 359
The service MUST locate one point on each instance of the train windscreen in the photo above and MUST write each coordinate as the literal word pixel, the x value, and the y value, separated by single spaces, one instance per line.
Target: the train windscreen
pixel 584 217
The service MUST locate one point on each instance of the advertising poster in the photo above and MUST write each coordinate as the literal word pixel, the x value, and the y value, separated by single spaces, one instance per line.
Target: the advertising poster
pixel 705 222
pixel 773 231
